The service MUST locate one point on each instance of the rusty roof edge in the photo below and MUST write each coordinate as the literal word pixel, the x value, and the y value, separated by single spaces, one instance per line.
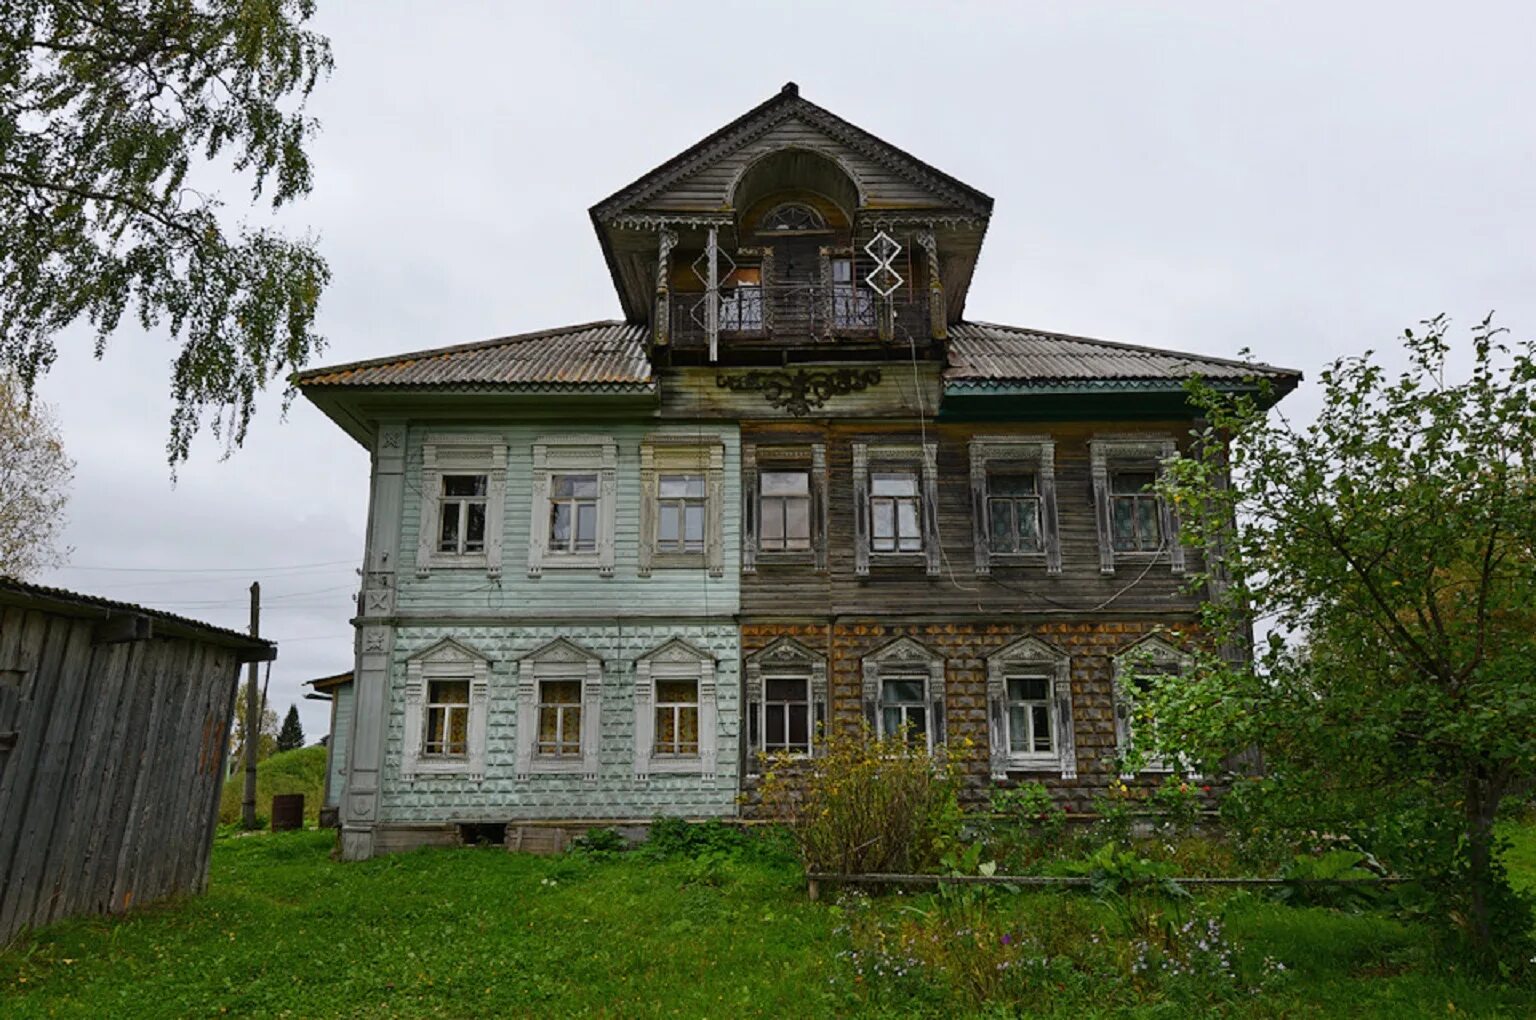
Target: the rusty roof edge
pixel 303 378
pixel 18 592
pixel 1257 366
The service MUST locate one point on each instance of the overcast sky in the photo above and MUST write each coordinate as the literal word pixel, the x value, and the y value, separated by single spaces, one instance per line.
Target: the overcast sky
pixel 1300 179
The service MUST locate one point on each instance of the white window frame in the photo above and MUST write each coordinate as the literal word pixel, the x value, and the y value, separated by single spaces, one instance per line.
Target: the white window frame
pixel 922 460
pixel 1035 455
pixel 560 659
pixel 1108 455
pixel 682 454
pixel 676 660
pixel 461 453
pixel 902 659
pixel 1029 656
pixel 447 659
pixel 1157 654
pixel 783 659
pixel 757 459
pixel 573 455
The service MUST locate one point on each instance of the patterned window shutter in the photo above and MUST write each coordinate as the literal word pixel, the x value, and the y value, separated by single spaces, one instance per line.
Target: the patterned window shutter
pixel 981 523
pixel 1100 467
pixel 936 694
pixel 931 508
pixel 997 707
pixel 749 508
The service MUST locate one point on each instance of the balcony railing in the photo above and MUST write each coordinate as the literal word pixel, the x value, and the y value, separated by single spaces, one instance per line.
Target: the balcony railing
pixel 800 313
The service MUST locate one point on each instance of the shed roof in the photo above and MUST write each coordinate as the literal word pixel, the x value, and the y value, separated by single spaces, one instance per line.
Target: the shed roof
pixel 162 624
pixel 604 355
pixel 983 354
pixel 326 683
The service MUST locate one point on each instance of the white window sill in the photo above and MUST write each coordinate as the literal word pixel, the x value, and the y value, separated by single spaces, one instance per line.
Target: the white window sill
pixel 424 768
pixel 452 561
pixel 582 562
pixel 1034 764
pixel 674 766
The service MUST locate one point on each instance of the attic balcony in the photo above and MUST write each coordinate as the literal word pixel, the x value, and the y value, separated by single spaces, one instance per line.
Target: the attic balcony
pixel 801 315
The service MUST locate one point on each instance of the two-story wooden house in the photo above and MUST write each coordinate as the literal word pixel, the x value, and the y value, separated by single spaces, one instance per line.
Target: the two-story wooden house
pixel 610 565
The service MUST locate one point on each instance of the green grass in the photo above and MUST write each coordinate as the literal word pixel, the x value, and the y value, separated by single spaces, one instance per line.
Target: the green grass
pixel 300 771
pixel 286 931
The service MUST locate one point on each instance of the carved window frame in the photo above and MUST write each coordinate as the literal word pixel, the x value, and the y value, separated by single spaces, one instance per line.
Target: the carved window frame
pixel 560 659
pixel 871 456
pixel 1109 454
pixel 905 658
pixel 1158 654
pixel 784 658
pixel 447 659
pixel 1038 455
pixel 676 660
pixel 666 453
pixel 757 458
pixel 452 453
pixel 573 454
pixel 1032 657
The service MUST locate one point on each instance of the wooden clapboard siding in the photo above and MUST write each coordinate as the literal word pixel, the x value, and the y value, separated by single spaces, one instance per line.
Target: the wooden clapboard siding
pixel 108 797
pixel 1010 590
pixel 709 188
pixel 468 591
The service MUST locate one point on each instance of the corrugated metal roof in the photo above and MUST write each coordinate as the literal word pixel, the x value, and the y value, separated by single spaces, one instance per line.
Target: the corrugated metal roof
pixel 982 353
pixel 593 355
pixel 73 603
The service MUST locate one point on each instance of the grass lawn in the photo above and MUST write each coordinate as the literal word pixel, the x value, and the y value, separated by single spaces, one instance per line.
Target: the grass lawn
pixel 285 931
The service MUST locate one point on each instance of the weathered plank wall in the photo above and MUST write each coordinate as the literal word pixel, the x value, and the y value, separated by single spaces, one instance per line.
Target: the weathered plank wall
pixel 110 779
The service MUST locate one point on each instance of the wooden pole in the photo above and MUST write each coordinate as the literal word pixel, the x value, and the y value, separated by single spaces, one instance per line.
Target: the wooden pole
pixel 252 720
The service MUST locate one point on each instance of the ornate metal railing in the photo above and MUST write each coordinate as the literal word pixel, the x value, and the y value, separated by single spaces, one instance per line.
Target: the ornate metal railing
pixel 800 313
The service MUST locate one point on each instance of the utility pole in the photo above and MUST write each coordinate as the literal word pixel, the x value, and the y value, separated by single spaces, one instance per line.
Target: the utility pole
pixel 252 720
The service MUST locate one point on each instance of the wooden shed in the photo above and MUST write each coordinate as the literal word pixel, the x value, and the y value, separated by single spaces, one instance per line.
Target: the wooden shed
pixel 114 727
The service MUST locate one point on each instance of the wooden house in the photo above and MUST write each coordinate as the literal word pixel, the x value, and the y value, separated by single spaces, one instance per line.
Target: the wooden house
pixel 114 723
pixel 794 487
pixel 337 690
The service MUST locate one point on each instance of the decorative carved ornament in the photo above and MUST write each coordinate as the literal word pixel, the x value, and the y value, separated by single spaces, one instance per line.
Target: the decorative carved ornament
pixel 802 390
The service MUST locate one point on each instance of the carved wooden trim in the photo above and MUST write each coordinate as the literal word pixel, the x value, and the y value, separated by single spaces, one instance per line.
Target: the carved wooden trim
pixel 899 657
pixel 799 391
pixel 783 657
pixel 938 317
pixel 1034 654
pixel 664 452
pixel 661 329
pixel 1039 453
pixel 924 456
pixel 561 659
pixel 1155 651
pixel 680 660
pixel 461 453
pixel 565 454
pixel 1105 452
pixel 447 659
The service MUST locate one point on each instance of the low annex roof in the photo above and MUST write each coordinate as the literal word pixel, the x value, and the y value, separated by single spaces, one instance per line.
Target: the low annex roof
pixel 985 354
pixel 23 595
pixel 605 355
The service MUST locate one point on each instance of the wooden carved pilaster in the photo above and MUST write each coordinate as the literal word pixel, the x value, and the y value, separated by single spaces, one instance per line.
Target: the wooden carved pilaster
pixel 938 316
pixel 661 329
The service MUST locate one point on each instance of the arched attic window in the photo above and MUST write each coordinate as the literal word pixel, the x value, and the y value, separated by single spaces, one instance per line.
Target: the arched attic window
pixel 791 216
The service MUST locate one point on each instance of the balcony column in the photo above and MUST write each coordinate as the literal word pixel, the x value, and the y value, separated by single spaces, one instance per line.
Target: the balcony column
pixel 938 312
pixel 712 295
pixel 661 329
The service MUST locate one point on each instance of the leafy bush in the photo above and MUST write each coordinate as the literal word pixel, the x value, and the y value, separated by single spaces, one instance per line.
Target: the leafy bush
pixel 600 842
pixel 867 805
pixel 1176 803
pixel 1115 808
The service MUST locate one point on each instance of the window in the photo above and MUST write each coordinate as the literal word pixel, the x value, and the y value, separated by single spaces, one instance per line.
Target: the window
pixel 559 718
pixel 1134 670
pixel 1132 521
pixel 1013 491
pixel 462 492
pixel 792 216
pixel 573 514
pixel 785 511
pixel 1133 511
pixel 1013 511
pixel 787 714
pixel 676 711
pixel 1029 716
pixel 904 708
pixel 786 700
pixel 447 694
pixel 559 704
pixel 904 687
pixel 682 483
pixel 1029 707
pixel 896 510
pixel 677 717
pixel 573 498
pixel 447 733
pixel 680 514
pixel 894 513
pixel 853 306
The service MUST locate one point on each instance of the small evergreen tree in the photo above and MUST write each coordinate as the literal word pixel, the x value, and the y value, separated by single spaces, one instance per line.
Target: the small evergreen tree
pixel 291 736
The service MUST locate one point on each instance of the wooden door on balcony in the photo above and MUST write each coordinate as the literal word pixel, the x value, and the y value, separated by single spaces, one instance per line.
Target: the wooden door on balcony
pixel 797 280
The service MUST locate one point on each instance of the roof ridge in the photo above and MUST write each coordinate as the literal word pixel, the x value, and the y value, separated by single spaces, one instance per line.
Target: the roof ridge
pixel 1144 348
pixel 473 345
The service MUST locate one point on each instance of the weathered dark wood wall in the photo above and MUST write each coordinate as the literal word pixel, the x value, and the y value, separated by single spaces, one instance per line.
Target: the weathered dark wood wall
pixel 111 766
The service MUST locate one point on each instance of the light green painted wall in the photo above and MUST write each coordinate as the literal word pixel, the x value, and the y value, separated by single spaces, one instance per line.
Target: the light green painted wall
pixel 341 732
pixel 469 591
pixel 616 793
